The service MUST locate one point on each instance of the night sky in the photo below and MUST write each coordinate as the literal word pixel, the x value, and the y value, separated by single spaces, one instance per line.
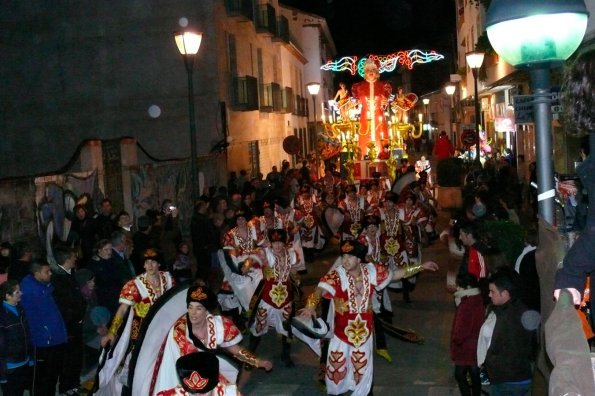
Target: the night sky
pixel 360 27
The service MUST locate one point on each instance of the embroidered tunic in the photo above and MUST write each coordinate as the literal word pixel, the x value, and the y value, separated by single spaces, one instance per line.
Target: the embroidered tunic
pixel 140 295
pixel 221 332
pixel 277 293
pixel 350 360
pixel 310 232
pixel 354 214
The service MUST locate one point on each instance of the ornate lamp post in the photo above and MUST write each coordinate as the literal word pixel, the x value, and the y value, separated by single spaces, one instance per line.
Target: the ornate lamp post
pixel 521 33
pixel 188 44
pixel 474 60
pixel 450 90
pixel 313 89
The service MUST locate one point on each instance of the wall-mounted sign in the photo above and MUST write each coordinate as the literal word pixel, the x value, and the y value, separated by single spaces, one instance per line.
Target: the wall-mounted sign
pixel 468 137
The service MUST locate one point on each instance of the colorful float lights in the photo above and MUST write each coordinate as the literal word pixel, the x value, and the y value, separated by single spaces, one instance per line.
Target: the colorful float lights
pixel 388 63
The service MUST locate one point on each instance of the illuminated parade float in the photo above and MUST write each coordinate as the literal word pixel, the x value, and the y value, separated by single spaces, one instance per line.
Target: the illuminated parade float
pixel 366 129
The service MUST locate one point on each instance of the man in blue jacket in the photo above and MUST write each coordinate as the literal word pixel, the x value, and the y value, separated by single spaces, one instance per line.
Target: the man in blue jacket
pixel 48 332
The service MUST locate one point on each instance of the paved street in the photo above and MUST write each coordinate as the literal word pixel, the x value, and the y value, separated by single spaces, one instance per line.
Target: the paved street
pixel 416 370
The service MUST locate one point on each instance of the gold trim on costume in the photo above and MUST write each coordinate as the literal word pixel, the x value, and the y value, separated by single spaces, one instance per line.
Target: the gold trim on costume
pixel 411 270
pixel 116 323
pixel 245 356
pixel 313 300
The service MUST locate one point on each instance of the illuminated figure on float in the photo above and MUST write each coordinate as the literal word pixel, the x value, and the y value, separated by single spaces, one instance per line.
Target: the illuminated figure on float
pixel 402 104
pixel 373 96
pixel 342 101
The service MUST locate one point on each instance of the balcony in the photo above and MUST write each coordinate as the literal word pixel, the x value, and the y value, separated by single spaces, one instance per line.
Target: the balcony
pixel 245 93
pixel 266 20
pixel 300 106
pixel 243 10
pixel 287 103
pixel 271 98
pixel 282 34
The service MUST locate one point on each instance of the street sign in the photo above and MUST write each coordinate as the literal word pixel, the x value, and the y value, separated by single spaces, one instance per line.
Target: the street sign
pixel 523 107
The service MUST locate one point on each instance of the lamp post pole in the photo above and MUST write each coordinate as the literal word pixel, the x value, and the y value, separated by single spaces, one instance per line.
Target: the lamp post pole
pixel 450 90
pixel 426 102
pixel 188 44
pixel 474 60
pixel 542 113
pixel 313 89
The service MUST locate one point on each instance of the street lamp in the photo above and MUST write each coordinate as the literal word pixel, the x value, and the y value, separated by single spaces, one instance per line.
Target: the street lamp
pixel 450 90
pixel 426 102
pixel 313 89
pixel 474 61
pixel 521 33
pixel 188 44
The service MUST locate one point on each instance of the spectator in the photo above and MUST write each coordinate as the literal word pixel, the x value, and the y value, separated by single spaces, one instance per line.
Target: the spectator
pixel 95 320
pixel 19 268
pixel 141 241
pixel 70 302
pixel 107 278
pixel 170 235
pixel 5 260
pixel 82 232
pixel 241 181
pixel 443 149
pixel 15 342
pixel 124 224
pixel 201 234
pixel 473 260
pixel 509 356
pixel 120 256
pixel 48 331
pixel 182 269
pixel 465 333
pixel 104 220
pixel 274 177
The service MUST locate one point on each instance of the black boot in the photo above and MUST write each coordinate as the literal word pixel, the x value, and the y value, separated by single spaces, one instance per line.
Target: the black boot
pixel 286 352
pixel 252 345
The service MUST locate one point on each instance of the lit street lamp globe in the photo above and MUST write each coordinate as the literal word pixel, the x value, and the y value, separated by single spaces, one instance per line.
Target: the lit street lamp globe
pixel 531 32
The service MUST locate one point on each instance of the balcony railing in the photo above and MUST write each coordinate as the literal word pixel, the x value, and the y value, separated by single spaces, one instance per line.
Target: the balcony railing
pixel 245 93
pixel 242 9
pixel 282 34
pixel 266 20
pixel 287 103
pixel 270 98
pixel 300 106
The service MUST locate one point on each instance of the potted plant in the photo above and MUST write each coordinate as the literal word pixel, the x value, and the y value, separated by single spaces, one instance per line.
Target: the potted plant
pixel 449 177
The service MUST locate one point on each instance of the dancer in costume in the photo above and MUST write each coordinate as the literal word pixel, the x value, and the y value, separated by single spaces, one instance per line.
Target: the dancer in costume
pixel 240 263
pixel 290 220
pixel 265 222
pixel 349 285
pixel 413 220
pixel 381 304
pixel 198 374
pixel 354 208
pixel 275 301
pixel 203 331
pixel 311 234
pixel 136 297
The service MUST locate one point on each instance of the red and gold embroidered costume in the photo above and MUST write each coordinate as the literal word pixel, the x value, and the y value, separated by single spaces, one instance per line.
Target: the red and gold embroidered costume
pixel 350 360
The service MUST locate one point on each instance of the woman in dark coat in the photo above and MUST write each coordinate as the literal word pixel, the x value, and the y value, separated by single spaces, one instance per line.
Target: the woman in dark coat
pixel 465 332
